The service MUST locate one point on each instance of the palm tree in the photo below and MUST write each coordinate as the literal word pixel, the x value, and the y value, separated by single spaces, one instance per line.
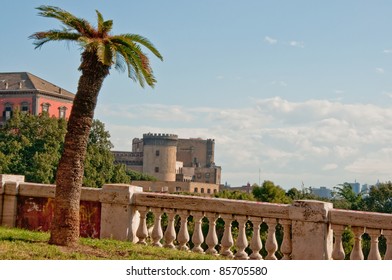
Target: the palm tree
pixel 100 51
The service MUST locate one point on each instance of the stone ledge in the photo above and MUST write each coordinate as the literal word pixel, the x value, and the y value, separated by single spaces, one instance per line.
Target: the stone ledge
pixel 310 211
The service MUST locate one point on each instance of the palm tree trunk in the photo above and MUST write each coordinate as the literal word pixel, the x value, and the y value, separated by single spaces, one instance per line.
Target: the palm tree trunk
pixel 65 225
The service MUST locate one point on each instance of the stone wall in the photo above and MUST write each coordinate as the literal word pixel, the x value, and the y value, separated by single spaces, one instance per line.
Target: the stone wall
pixel 104 213
pixel 312 230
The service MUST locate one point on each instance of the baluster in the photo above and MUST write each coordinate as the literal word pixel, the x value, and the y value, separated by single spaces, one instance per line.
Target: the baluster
pixel 170 233
pixel 255 243
pixel 157 233
pixel 142 231
pixel 183 235
pixel 356 253
pixel 197 237
pixel 227 238
pixel 338 251
pixel 242 242
pixel 212 239
pixel 286 246
pixel 374 253
pixel 271 245
pixel 388 235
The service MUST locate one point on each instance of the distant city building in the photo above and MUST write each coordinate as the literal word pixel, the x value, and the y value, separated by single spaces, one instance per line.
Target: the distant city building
pixel 356 187
pixel 323 192
pixel 365 189
pixel 30 94
pixel 173 160
pixel 246 188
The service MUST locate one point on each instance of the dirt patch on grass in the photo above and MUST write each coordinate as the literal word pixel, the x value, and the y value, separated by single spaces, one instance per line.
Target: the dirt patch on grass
pixel 86 251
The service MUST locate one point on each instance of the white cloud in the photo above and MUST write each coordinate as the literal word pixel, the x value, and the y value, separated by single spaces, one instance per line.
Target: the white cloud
pixel 321 142
pixel 270 40
pixel 339 91
pixel 388 51
pixel 330 166
pixel 380 70
pixel 387 93
pixel 279 83
pixel 297 44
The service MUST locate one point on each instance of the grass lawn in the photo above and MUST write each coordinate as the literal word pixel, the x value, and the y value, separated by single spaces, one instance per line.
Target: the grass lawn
pixel 19 244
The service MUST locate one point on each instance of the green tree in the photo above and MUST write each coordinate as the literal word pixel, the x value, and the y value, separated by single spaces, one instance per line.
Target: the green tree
pixel 296 194
pixel 31 145
pixel 100 51
pixel 346 198
pixel 379 198
pixel 99 167
pixel 120 174
pixel 269 192
pixel 238 195
pixel 138 176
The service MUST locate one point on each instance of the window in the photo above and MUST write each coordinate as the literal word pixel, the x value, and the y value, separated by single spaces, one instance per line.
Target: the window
pixel 62 112
pixel 207 175
pixel 202 190
pixel 45 107
pixel 156 169
pixel 157 153
pixel 208 190
pixel 178 189
pixel 24 107
pixel 7 114
pixel 196 190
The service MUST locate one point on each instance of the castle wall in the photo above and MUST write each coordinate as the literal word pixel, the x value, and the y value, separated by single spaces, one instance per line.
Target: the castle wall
pixel 172 187
pixel 159 156
pixel 195 152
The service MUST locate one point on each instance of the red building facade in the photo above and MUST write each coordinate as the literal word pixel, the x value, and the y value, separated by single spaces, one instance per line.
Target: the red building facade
pixel 28 93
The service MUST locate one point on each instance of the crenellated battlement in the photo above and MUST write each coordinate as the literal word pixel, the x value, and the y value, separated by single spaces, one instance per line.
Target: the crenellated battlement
pixel 160 135
pixel 160 139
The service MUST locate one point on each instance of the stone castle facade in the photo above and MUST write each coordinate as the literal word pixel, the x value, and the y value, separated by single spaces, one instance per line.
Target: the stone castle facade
pixel 180 163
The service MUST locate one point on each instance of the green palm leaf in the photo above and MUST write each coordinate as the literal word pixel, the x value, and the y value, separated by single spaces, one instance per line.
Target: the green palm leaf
pixel 121 51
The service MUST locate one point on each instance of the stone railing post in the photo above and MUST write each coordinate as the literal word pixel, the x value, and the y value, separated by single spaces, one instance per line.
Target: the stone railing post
pixel 312 237
pixel 119 218
pixel 9 189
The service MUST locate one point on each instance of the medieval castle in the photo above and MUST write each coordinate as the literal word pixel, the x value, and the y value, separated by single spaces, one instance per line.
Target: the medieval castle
pixel 178 164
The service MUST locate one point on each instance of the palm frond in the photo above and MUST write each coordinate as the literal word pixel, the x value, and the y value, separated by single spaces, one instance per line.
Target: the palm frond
pixel 53 35
pixel 138 64
pixel 104 27
pixel 124 51
pixel 120 64
pixel 135 38
pixel 80 25
pixel 100 21
pixel 105 53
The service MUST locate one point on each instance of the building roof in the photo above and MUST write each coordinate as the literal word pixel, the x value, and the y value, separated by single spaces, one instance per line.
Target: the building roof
pixel 19 82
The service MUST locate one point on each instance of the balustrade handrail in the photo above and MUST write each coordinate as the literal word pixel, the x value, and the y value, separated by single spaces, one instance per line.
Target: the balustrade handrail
pixel 214 205
pixel 360 219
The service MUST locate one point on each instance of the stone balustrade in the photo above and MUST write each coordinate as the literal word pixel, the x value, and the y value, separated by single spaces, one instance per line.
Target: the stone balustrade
pixel 305 229
pixel 360 223
pixel 183 212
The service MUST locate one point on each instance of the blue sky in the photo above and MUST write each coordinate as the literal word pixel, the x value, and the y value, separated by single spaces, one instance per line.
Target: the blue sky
pixel 296 91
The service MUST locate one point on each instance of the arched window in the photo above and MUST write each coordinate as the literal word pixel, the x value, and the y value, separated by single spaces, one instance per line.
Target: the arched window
pixel 62 112
pixel 196 190
pixel 7 113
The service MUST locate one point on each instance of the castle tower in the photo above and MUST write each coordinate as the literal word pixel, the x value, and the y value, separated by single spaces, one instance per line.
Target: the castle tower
pixel 159 156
